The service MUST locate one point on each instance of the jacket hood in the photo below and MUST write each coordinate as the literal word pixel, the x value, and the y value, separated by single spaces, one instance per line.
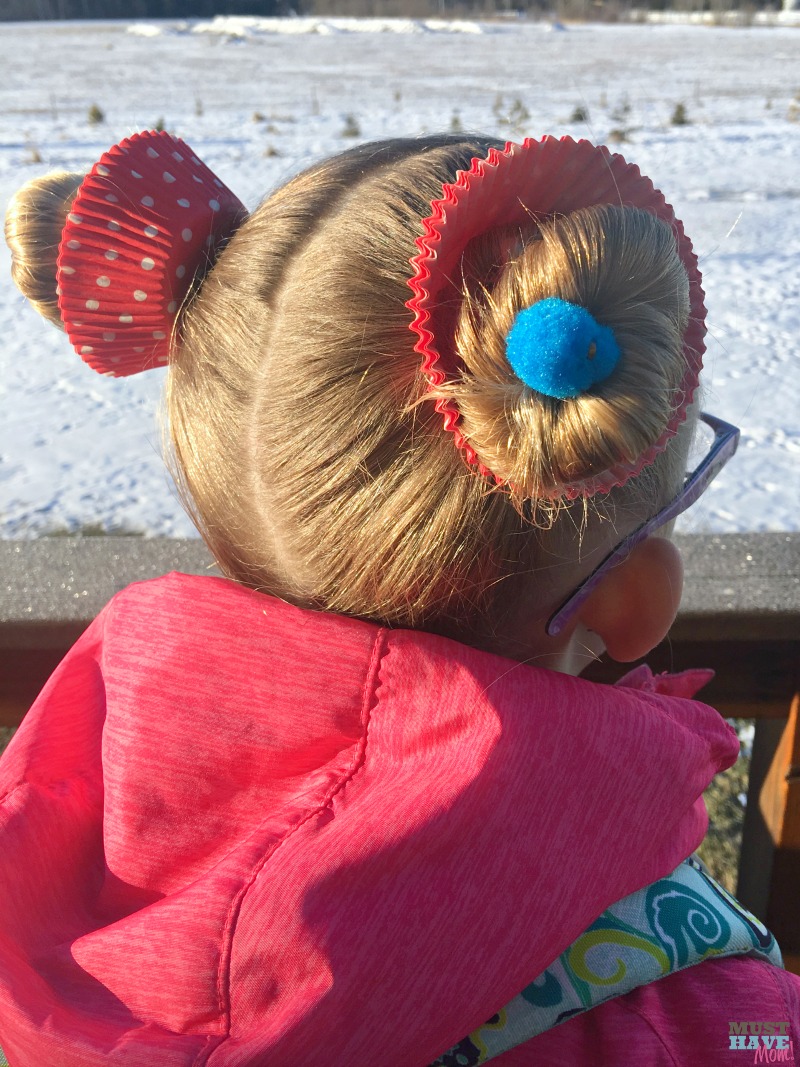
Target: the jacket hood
pixel 235 832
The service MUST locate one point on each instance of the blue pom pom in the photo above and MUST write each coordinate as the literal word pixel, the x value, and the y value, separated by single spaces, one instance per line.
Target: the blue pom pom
pixel 559 349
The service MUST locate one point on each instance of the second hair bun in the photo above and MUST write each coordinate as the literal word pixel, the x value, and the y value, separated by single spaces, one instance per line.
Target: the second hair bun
pixel 622 265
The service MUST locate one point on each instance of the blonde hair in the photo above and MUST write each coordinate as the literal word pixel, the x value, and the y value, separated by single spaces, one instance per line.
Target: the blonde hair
pixel 34 221
pixel 312 462
pixel 622 265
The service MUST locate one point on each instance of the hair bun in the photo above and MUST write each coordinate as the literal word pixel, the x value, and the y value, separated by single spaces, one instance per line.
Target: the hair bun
pixel 146 225
pixel 34 220
pixel 622 266
pixel 474 229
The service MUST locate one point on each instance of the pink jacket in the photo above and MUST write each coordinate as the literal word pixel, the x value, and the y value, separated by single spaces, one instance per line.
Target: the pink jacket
pixel 237 833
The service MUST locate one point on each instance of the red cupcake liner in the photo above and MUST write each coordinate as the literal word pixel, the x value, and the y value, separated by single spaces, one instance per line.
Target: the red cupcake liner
pixel 534 180
pixel 148 219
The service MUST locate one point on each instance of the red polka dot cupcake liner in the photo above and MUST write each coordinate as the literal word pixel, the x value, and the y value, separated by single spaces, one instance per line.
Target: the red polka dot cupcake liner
pixel 148 220
pixel 534 180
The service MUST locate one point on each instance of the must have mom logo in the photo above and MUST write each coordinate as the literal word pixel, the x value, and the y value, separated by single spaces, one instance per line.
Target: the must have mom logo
pixel 768 1041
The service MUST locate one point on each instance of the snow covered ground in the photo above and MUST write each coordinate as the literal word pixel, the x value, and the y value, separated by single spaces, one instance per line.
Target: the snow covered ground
pixel 259 99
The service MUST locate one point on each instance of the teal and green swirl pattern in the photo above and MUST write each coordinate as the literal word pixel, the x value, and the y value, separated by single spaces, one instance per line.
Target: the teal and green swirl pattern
pixel 674 923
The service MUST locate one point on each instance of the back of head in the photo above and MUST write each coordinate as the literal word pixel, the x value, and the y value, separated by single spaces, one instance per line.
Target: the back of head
pixel 305 430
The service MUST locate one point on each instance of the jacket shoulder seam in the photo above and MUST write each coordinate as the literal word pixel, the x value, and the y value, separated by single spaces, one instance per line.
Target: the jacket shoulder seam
pixel 368 699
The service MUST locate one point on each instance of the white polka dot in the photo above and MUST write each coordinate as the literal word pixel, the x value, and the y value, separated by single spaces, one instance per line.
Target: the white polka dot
pixel 109 335
pixel 111 254
pixel 86 350
pixel 210 240
pixel 151 231
pixel 180 271
pixel 218 183
pixel 186 234
pixel 116 359
pixel 59 290
pixel 139 294
pixel 138 349
pixel 112 199
pixel 172 307
pixel 73 244
pixel 163 359
pixel 77 219
pixel 214 205
pixel 92 305
pixel 103 281
pixel 195 160
pixel 183 202
pixel 148 263
pixel 152 153
pixel 113 226
pixel 101 170
pixel 168 177
pixel 159 335
pixel 126 318
pixel 178 156
pixel 76 323
pixel 136 174
pixel 148 201
pixel 67 270
pixel 197 178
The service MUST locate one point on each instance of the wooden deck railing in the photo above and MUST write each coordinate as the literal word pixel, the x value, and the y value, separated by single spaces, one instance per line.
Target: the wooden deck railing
pixel 740 615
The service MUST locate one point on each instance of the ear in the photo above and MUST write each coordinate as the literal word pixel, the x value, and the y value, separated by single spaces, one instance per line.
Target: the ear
pixel 634 606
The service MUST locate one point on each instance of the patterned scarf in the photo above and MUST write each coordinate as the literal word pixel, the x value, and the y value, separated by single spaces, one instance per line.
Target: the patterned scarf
pixel 674 923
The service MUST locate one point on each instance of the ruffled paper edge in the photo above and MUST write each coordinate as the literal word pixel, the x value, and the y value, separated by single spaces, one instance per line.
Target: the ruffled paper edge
pixel 487 173
pixel 122 338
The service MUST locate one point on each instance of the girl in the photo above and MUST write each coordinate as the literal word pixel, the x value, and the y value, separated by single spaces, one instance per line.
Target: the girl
pixel 350 804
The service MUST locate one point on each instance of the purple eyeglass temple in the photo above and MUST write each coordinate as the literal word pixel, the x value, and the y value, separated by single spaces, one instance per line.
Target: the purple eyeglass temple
pixel 726 440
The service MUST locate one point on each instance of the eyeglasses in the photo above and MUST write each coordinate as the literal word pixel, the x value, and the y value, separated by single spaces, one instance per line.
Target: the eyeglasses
pixel 726 440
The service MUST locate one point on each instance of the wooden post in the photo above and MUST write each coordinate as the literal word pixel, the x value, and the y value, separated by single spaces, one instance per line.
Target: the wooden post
pixel 23 672
pixel 769 868
pixel 780 805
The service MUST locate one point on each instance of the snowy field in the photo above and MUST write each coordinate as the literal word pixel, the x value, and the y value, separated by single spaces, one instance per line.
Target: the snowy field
pixel 259 100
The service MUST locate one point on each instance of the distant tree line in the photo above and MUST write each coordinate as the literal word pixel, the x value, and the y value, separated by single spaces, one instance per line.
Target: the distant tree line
pixel 26 10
